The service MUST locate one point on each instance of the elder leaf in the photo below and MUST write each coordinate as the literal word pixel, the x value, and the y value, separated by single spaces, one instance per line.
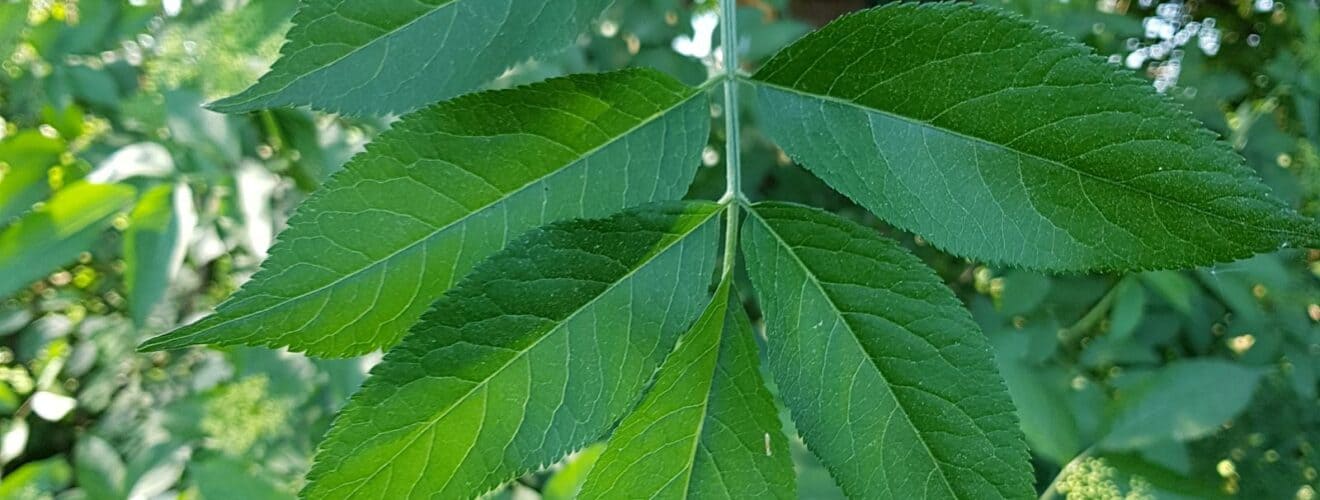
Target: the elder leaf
pixel 1174 403
pixel 389 56
pixel 448 186
pixel 707 428
pixel 886 375
pixel 999 139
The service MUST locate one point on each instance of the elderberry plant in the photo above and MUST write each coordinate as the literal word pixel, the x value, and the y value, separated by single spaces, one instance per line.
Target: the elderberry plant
pixel 525 259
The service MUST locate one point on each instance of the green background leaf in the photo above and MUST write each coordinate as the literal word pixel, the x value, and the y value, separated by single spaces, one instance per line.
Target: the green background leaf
pixel 534 355
pixel 225 477
pixel 98 468
pixel 996 138
pixel 707 428
pixel 1042 405
pixel 379 57
pixel 448 186
pixel 46 238
pixel 23 180
pixel 1186 400
pixel 888 379
pixel 154 245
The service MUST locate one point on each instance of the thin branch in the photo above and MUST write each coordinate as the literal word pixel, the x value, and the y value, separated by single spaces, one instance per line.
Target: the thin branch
pixel 1074 333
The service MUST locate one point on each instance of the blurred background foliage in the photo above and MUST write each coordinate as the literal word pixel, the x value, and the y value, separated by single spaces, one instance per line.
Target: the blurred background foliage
pixel 126 209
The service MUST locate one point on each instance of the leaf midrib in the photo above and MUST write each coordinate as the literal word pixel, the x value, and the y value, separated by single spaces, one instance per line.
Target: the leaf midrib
pixel 521 353
pixel 166 342
pixel 710 386
pixel 936 463
pixel 686 473
pixel 971 138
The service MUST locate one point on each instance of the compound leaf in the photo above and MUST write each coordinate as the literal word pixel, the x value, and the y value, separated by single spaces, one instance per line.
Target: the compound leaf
pixel 707 428
pixel 448 186
pixel 999 139
pixel 886 375
pixel 54 234
pixel 392 56
pixel 534 355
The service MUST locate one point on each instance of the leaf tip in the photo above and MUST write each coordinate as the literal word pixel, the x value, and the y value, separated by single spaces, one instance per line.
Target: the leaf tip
pixel 171 340
pixel 229 105
pixel 247 100
pixel 217 105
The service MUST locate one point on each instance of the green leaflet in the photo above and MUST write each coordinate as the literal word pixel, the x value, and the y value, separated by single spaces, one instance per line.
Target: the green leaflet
pixel 224 476
pixel 380 57
pixel 888 379
pixel 707 428
pixel 448 186
pixel 51 236
pixel 1001 140
pixel 154 245
pixel 532 356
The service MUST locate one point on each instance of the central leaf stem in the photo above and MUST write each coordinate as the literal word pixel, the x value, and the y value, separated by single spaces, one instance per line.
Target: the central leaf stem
pixel 732 149
pixel 732 146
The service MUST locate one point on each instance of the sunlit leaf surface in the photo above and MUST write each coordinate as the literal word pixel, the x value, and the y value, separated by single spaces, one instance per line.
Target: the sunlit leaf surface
pixel 996 138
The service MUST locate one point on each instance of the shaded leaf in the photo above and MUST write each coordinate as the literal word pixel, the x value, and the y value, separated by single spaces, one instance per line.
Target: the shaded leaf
pixel 298 129
pixel 379 57
pixel 999 139
pixel 1174 287
pixel 1023 291
pixel 448 186
pixel 534 355
pixel 1176 404
pixel 1129 308
pixel 887 377
pixel 707 428
pixel 1172 455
